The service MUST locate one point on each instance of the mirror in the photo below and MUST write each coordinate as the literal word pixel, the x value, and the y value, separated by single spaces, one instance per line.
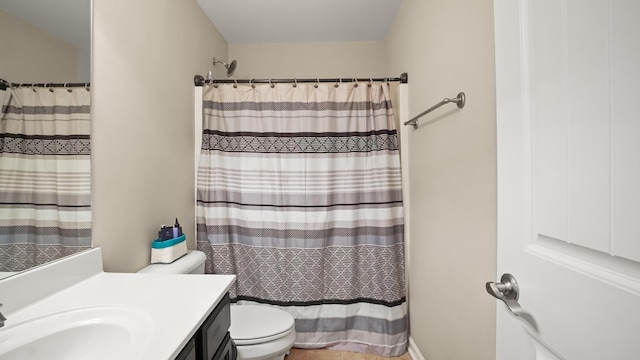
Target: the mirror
pixel 44 42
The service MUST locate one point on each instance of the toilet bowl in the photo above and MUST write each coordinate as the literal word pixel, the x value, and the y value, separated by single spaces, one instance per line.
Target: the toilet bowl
pixel 259 332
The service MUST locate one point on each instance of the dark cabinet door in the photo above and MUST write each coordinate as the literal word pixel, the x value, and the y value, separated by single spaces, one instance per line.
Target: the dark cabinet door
pixel 226 351
pixel 189 351
pixel 212 341
pixel 214 330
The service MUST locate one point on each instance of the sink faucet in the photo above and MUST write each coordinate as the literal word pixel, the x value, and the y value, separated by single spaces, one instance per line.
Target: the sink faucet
pixel 2 318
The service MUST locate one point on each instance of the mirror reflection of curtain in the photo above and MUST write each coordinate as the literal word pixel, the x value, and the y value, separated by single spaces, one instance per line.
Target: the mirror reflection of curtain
pixel 45 179
pixel 4 96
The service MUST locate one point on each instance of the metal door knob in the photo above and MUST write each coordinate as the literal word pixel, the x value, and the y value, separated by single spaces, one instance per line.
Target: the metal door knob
pixel 507 291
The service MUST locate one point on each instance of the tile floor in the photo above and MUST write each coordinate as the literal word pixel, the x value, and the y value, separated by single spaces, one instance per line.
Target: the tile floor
pixel 324 354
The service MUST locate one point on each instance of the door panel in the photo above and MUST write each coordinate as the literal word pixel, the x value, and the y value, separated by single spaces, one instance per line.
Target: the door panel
pixel 626 130
pixel 568 177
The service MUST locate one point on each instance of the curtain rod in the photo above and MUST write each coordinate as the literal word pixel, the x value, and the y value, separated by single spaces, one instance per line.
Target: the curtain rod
pixel 199 80
pixel 4 84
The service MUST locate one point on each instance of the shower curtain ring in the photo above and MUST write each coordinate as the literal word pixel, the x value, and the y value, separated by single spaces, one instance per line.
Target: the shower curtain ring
pixel 370 82
pixel 271 84
pixel 235 85
pixel 295 82
pixel 86 87
pixel 253 86
pixel 45 86
pixel 355 82
pixel 66 86
pixel 32 85
pixel 317 82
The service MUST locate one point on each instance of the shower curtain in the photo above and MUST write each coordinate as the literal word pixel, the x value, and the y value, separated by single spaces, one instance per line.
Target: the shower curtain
pixel 299 195
pixel 45 200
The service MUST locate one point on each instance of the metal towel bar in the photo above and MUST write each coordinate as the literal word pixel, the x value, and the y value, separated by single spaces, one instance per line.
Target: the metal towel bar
pixel 459 100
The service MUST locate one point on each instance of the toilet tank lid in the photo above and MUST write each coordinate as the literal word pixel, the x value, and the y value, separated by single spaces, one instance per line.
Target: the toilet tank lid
pixel 183 265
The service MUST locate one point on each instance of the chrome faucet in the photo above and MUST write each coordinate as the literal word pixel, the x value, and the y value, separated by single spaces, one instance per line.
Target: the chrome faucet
pixel 2 318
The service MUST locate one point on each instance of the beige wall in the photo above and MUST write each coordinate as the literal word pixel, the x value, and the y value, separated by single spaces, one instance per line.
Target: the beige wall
pixel 310 60
pixel 30 55
pixel 447 47
pixel 143 130
pixel 146 53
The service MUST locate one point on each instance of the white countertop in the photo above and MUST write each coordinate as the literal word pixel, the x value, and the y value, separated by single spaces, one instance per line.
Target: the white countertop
pixel 177 304
pixel 6 274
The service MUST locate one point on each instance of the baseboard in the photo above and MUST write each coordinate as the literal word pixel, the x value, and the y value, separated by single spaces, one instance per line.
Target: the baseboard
pixel 414 352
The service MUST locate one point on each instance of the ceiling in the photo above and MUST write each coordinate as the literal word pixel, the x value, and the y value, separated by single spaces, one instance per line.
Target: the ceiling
pixel 239 21
pixel 268 21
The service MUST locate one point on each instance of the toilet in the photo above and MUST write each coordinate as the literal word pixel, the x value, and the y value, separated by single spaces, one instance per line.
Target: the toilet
pixel 191 263
pixel 260 332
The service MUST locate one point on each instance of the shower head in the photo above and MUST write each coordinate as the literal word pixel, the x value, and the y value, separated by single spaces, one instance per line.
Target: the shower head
pixel 231 67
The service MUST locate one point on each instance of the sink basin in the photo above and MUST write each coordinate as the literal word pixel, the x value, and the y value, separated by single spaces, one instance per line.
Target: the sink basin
pixel 97 332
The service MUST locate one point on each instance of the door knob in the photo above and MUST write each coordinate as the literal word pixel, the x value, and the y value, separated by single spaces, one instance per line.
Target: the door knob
pixel 507 291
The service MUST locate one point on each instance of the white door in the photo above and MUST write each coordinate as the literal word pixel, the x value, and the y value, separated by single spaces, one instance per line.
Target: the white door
pixel 568 85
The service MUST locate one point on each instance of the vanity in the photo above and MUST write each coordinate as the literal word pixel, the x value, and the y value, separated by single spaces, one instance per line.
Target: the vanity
pixel 212 341
pixel 71 309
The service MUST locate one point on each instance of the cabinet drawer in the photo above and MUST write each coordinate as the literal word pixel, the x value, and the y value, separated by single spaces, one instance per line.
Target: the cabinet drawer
pixel 214 330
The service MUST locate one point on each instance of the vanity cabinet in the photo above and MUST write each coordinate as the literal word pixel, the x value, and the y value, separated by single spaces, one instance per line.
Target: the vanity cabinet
pixel 212 341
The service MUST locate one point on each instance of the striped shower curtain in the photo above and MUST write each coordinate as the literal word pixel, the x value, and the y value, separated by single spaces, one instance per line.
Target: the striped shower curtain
pixel 299 195
pixel 45 200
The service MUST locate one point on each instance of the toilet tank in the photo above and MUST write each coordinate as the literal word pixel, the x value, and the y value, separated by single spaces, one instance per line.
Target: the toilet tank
pixel 191 263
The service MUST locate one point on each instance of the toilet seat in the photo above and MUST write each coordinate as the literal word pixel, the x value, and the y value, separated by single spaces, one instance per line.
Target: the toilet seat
pixel 258 324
